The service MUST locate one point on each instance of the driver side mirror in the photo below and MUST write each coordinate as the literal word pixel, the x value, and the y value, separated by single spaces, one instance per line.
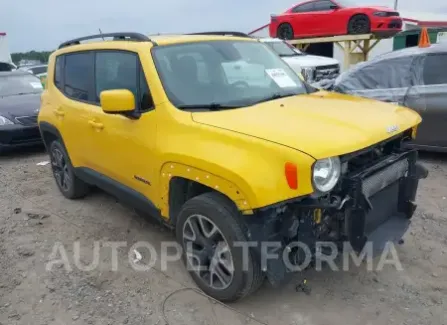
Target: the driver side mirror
pixel 117 101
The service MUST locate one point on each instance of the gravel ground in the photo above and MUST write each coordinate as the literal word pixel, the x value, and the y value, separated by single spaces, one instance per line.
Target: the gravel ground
pixel 35 219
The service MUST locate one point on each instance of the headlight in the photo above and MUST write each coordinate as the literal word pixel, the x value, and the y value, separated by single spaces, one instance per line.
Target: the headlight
pixel 308 74
pixel 380 14
pixel 326 173
pixel 4 121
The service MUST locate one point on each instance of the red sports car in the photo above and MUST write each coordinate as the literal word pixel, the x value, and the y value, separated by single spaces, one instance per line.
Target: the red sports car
pixel 334 17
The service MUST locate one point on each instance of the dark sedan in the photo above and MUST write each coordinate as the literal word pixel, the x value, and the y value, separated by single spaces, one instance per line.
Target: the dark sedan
pixel 19 106
pixel 415 78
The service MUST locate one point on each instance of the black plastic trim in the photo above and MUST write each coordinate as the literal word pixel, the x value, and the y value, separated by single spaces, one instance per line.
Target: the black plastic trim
pixel 123 193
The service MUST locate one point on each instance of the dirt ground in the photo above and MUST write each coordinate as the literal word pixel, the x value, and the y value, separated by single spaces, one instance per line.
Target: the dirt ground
pixel 34 217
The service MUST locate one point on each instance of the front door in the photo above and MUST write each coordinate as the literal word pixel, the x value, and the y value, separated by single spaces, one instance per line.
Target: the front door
pixel 124 147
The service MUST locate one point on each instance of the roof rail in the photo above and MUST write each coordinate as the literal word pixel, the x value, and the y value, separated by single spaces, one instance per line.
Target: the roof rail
pixel 222 33
pixel 136 37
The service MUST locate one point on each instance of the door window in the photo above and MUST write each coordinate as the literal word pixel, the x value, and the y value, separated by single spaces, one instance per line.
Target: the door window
pixel 307 7
pixel 435 71
pixel 78 76
pixel 323 5
pixel 121 70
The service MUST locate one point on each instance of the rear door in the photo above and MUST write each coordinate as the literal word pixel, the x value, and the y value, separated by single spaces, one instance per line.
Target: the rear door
pixel 430 101
pixel 74 81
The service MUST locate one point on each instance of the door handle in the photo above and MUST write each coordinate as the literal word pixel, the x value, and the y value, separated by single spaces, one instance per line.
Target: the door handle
pixel 96 125
pixel 59 112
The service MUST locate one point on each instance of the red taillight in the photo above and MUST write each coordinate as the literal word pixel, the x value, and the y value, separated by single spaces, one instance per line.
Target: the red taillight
pixel 291 173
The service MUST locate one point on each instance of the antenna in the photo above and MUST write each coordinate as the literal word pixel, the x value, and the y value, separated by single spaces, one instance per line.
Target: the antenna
pixel 396 2
pixel 100 32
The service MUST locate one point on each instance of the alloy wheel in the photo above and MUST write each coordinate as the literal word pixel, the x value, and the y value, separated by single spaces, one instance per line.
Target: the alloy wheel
pixel 208 252
pixel 60 169
pixel 360 25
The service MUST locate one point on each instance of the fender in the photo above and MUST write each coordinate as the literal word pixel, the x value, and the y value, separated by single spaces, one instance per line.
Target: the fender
pixel 172 169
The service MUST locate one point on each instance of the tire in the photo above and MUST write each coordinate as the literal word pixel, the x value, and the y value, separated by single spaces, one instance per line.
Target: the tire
pixel 68 183
pixel 219 211
pixel 285 31
pixel 359 24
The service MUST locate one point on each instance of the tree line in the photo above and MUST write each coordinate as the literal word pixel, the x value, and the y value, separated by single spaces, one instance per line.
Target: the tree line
pixel 32 55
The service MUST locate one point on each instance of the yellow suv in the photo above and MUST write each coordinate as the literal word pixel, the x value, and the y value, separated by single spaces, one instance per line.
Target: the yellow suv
pixel 218 137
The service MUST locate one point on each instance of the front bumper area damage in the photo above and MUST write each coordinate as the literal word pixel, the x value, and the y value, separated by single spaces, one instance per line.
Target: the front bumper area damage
pixel 371 204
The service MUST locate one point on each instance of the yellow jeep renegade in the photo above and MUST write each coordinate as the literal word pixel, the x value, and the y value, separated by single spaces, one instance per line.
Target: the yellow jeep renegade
pixel 219 138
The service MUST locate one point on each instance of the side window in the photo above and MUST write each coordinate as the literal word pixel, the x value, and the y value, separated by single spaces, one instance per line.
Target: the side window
pixel 78 74
pixel 323 5
pixel 307 7
pixel 58 72
pixel 116 70
pixel 122 70
pixel 435 72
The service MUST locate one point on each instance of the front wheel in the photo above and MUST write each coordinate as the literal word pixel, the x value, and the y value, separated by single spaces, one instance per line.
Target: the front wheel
pixel 359 24
pixel 208 228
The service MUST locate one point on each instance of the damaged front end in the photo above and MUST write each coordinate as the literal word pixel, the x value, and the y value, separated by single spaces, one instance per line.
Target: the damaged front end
pixel 373 202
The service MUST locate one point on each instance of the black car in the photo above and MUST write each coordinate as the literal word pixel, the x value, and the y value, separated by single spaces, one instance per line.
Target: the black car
pixel 19 106
pixel 414 77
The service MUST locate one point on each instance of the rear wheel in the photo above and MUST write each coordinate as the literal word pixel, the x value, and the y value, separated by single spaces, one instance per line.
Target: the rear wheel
pixel 359 24
pixel 69 184
pixel 285 31
pixel 208 227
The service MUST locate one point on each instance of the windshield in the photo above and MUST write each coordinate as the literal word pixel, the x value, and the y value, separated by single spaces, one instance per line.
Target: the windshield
pixel 222 74
pixel 283 49
pixel 19 85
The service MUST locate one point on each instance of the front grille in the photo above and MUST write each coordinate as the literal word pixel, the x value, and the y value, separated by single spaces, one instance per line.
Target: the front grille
pixel 395 24
pixel 327 72
pixel 27 120
pixel 377 182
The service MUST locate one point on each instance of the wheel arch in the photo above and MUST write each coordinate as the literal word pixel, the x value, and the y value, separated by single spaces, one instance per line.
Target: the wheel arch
pixel 49 133
pixel 180 183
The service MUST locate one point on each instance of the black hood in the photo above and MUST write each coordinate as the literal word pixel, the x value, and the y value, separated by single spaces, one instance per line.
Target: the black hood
pixel 20 105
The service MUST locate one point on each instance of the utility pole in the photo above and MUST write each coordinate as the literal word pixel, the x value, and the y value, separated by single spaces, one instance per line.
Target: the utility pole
pixel 395 4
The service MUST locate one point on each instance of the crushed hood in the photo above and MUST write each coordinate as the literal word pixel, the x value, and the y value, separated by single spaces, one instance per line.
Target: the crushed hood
pixel 321 124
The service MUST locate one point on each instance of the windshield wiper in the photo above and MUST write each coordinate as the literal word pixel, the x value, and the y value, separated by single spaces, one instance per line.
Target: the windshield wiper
pixel 273 97
pixel 211 106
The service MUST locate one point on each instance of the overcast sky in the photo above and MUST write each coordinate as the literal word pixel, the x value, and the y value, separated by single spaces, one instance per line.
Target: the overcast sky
pixel 43 24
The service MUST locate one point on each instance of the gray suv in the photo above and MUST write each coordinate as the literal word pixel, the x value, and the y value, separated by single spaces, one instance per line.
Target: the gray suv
pixel 413 77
